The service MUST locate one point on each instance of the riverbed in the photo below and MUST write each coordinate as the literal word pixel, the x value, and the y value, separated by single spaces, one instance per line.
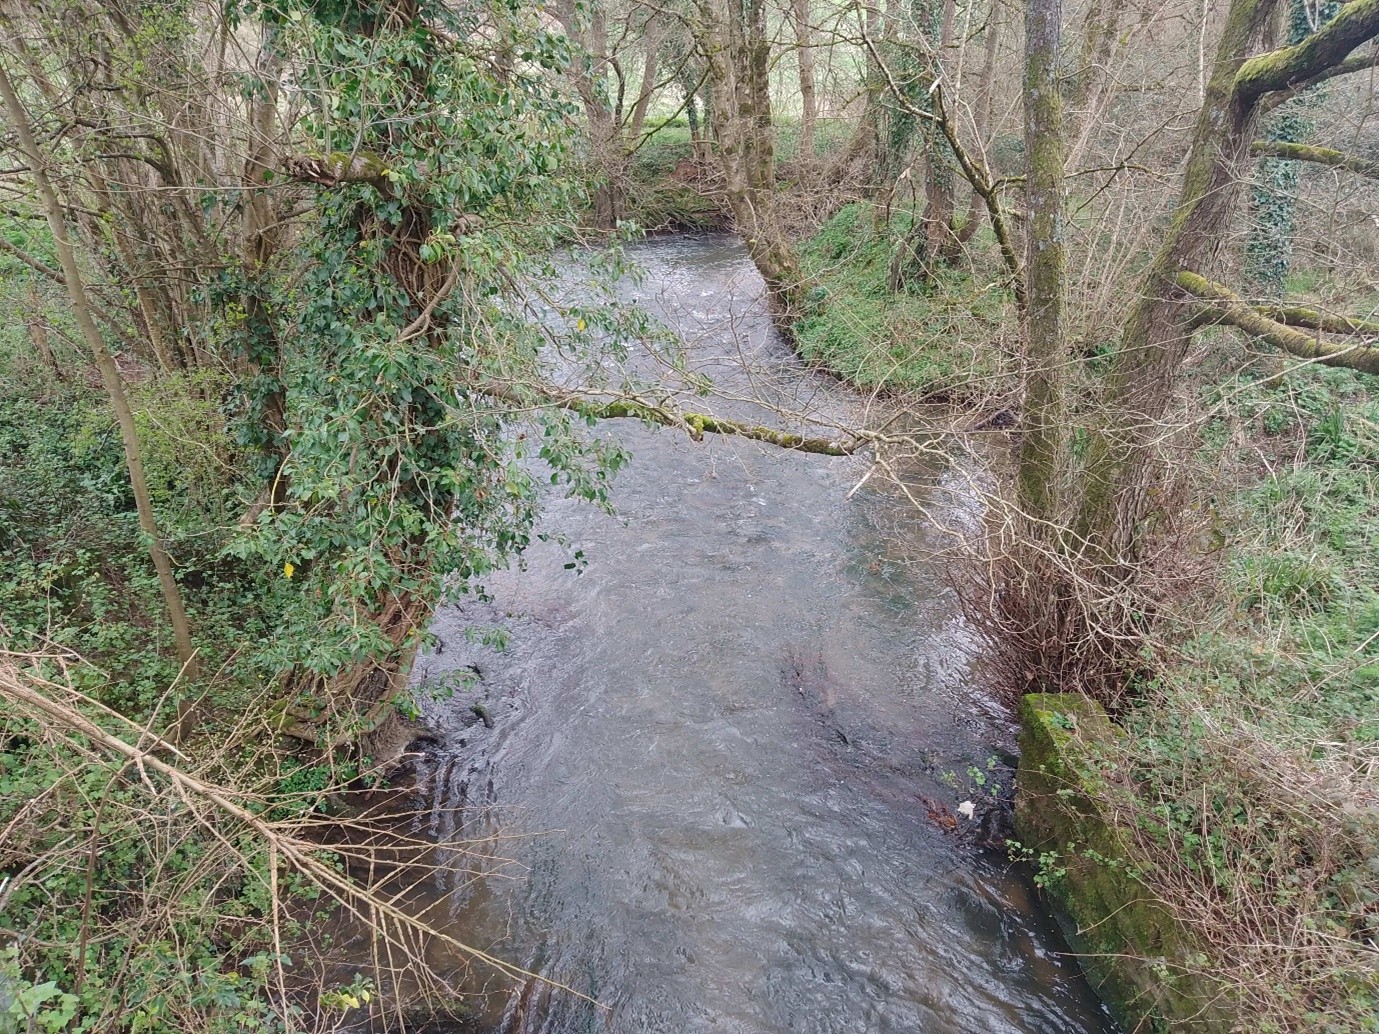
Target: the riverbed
pixel 729 748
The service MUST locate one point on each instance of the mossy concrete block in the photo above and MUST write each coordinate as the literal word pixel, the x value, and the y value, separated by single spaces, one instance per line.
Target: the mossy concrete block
pixel 1144 964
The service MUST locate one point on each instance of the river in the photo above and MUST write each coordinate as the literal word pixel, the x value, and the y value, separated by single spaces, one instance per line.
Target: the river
pixel 712 747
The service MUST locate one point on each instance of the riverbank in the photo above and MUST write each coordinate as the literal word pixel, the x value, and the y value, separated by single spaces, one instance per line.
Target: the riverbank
pixel 168 858
pixel 1246 761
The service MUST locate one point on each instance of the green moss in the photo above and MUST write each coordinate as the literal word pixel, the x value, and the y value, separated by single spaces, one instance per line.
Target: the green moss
pixel 1146 966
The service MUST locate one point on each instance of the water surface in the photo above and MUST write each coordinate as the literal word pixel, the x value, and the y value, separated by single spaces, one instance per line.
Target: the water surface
pixel 726 728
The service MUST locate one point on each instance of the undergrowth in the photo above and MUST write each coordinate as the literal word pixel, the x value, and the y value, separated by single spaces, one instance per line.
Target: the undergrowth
pixel 129 901
pixel 944 338
pixel 1252 763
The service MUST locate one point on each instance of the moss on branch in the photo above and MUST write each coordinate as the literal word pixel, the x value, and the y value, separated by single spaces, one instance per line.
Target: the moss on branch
pixel 700 424
pixel 1224 306
pixel 338 167
pixel 1355 23
pixel 1312 319
pixel 1352 64
pixel 695 424
pixel 1317 155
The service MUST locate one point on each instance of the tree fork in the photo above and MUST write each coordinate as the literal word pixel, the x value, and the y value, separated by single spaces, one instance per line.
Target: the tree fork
pixel 1116 476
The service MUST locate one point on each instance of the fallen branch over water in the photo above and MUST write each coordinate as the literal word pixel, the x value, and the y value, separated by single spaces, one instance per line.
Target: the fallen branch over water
pixel 696 425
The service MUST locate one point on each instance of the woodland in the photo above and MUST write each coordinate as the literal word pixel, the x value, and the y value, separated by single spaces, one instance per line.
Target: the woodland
pixel 284 371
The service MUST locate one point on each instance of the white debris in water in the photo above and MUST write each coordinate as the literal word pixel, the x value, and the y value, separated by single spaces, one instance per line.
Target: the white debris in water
pixel 967 809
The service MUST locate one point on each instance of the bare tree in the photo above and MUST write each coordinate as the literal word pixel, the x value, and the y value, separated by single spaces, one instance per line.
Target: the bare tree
pixel 1120 470
pixel 105 362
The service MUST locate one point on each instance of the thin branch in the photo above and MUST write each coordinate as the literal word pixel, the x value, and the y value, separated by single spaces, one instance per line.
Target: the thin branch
pixel 16 687
pixel 973 171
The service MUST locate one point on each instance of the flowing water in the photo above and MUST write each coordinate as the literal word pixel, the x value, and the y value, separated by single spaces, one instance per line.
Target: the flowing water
pixel 717 747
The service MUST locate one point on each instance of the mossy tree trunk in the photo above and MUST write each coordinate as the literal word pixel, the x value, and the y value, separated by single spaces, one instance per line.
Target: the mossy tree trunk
pixel 1121 469
pixel 804 57
pixel 984 111
pixel 933 240
pixel 588 28
pixel 1091 589
pixel 737 45
pixel 1087 89
pixel 1043 413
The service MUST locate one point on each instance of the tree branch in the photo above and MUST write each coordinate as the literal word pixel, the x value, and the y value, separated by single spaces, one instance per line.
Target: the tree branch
pixel 1301 316
pixel 1356 63
pixel 1228 307
pixel 695 424
pixel 32 261
pixel 1355 23
pixel 1318 155
pixel 331 170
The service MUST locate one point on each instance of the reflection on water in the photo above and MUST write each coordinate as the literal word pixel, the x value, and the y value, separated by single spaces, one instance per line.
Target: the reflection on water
pixel 725 728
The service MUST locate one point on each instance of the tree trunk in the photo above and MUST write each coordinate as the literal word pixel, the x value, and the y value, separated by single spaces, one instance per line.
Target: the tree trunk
pixel 110 373
pixel 1042 417
pixel 112 228
pixel 650 67
pixel 1121 469
pixel 739 55
pixel 804 56
pixel 940 207
pixel 38 333
pixel 932 241
pixel 690 87
pixel 607 163
pixel 605 138
pixel 871 128
pixel 262 349
pixel 982 116
pixel 1091 89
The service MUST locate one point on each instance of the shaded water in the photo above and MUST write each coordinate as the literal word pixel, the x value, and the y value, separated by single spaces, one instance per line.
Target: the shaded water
pixel 726 727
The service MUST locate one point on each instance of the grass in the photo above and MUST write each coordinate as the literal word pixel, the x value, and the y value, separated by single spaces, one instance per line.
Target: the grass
pixel 945 339
pixel 1252 763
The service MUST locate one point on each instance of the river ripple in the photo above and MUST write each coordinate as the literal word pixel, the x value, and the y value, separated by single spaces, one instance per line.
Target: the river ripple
pixel 724 728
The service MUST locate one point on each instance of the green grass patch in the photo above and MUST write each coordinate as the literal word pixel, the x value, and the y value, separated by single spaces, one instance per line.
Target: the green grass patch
pixel 1248 772
pixel 944 338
